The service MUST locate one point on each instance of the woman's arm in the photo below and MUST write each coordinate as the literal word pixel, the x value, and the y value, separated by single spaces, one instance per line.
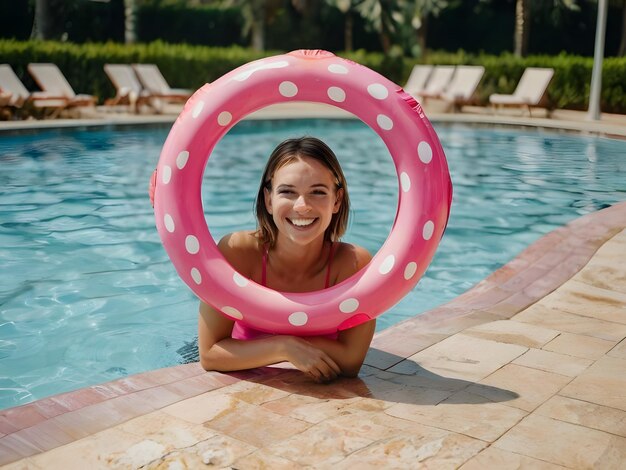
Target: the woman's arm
pixel 321 358
pixel 218 351
pixel 349 350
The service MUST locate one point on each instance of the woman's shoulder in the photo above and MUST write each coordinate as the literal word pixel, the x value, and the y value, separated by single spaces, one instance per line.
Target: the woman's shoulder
pixel 350 259
pixel 241 249
pixel 243 239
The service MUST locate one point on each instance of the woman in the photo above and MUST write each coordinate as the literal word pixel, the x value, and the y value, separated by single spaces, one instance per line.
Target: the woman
pixel 302 211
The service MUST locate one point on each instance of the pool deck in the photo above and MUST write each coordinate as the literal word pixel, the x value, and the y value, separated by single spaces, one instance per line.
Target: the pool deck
pixel 526 369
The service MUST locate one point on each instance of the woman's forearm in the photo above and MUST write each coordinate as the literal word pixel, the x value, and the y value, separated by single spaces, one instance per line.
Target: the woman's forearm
pixel 349 361
pixel 232 354
pixel 349 350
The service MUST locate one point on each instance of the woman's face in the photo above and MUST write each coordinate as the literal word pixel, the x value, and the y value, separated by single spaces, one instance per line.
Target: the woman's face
pixel 302 200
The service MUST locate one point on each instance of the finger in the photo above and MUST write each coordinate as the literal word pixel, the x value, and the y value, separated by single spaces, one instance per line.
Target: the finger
pixel 327 372
pixel 332 364
pixel 316 375
pixel 321 372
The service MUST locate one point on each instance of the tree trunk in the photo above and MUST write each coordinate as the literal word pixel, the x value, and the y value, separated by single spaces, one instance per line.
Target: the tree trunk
pixel 385 42
pixel 421 36
pixel 622 45
pixel 521 28
pixel 43 22
pixel 258 24
pixel 258 36
pixel 385 37
pixel 130 24
pixel 347 34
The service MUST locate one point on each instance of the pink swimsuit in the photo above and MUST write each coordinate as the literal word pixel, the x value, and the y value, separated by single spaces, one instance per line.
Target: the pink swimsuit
pixel 241 331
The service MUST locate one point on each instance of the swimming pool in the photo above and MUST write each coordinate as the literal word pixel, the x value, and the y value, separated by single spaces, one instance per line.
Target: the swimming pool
pixel 87 294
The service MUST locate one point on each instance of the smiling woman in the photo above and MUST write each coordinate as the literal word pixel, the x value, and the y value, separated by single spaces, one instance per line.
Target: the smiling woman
pixel 292 276
pixel 302 210
pixel 315 76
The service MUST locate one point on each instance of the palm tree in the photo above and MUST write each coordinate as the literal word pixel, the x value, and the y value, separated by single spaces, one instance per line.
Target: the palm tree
pixel 417 13
pixel 383 16
pixel 522 21
pixel 348 8
pixel 255 14
pixel 130 24
pixel 520 37
pixel 48 21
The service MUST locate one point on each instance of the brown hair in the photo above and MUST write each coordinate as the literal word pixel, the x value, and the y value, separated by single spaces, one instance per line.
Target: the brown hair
pixel 285 153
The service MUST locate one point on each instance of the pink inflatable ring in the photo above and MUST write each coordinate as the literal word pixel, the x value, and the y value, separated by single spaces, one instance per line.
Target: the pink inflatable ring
pixel 425 192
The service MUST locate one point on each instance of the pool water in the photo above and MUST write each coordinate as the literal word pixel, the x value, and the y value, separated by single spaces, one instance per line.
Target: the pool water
pixel 87 293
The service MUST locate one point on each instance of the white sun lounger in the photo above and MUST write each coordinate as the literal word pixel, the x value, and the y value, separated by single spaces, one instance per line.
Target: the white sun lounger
pixel 530 90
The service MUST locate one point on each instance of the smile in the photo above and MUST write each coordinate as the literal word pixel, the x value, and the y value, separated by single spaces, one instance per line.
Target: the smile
pixel 301 222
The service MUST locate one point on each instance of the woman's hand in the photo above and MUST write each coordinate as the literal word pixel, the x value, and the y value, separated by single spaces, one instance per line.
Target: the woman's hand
pixel 311 360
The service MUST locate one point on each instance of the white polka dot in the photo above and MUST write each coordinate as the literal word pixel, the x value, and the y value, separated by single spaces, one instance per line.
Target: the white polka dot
pixel 425 152
pixel 197 109
pixel 410 270
pixel 429 228
pixel 192 244
pixel 349 305
pixel 298 318
pixel 224 118
pixel 167 174
pixel 232 312
pixel 288 89
pixel 384 122
pixel 378 91
pixel 336 68
pixel 405 182
pixel 336 94
pixel 182 158
pixel 387 264
pixel 196 276
pixel 169 223
pixel 240 280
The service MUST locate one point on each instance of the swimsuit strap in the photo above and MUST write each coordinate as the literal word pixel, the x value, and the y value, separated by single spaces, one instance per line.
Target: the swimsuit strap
pixel 330 260
pixel 264 266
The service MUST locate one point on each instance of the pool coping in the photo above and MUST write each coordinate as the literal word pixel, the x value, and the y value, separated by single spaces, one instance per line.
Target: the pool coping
pixel 540 269
pixel 610 125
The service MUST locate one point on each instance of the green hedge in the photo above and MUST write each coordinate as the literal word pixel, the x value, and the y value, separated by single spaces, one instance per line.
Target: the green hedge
pixel 186 66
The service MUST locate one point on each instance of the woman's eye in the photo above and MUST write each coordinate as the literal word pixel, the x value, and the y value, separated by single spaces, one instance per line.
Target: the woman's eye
pixel 319 193
pixel 285 191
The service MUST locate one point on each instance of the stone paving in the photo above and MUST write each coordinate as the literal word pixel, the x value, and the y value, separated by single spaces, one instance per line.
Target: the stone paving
pixel 525 370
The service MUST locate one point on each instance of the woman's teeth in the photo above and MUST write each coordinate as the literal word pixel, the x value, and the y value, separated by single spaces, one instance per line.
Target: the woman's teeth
pixel 302 222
